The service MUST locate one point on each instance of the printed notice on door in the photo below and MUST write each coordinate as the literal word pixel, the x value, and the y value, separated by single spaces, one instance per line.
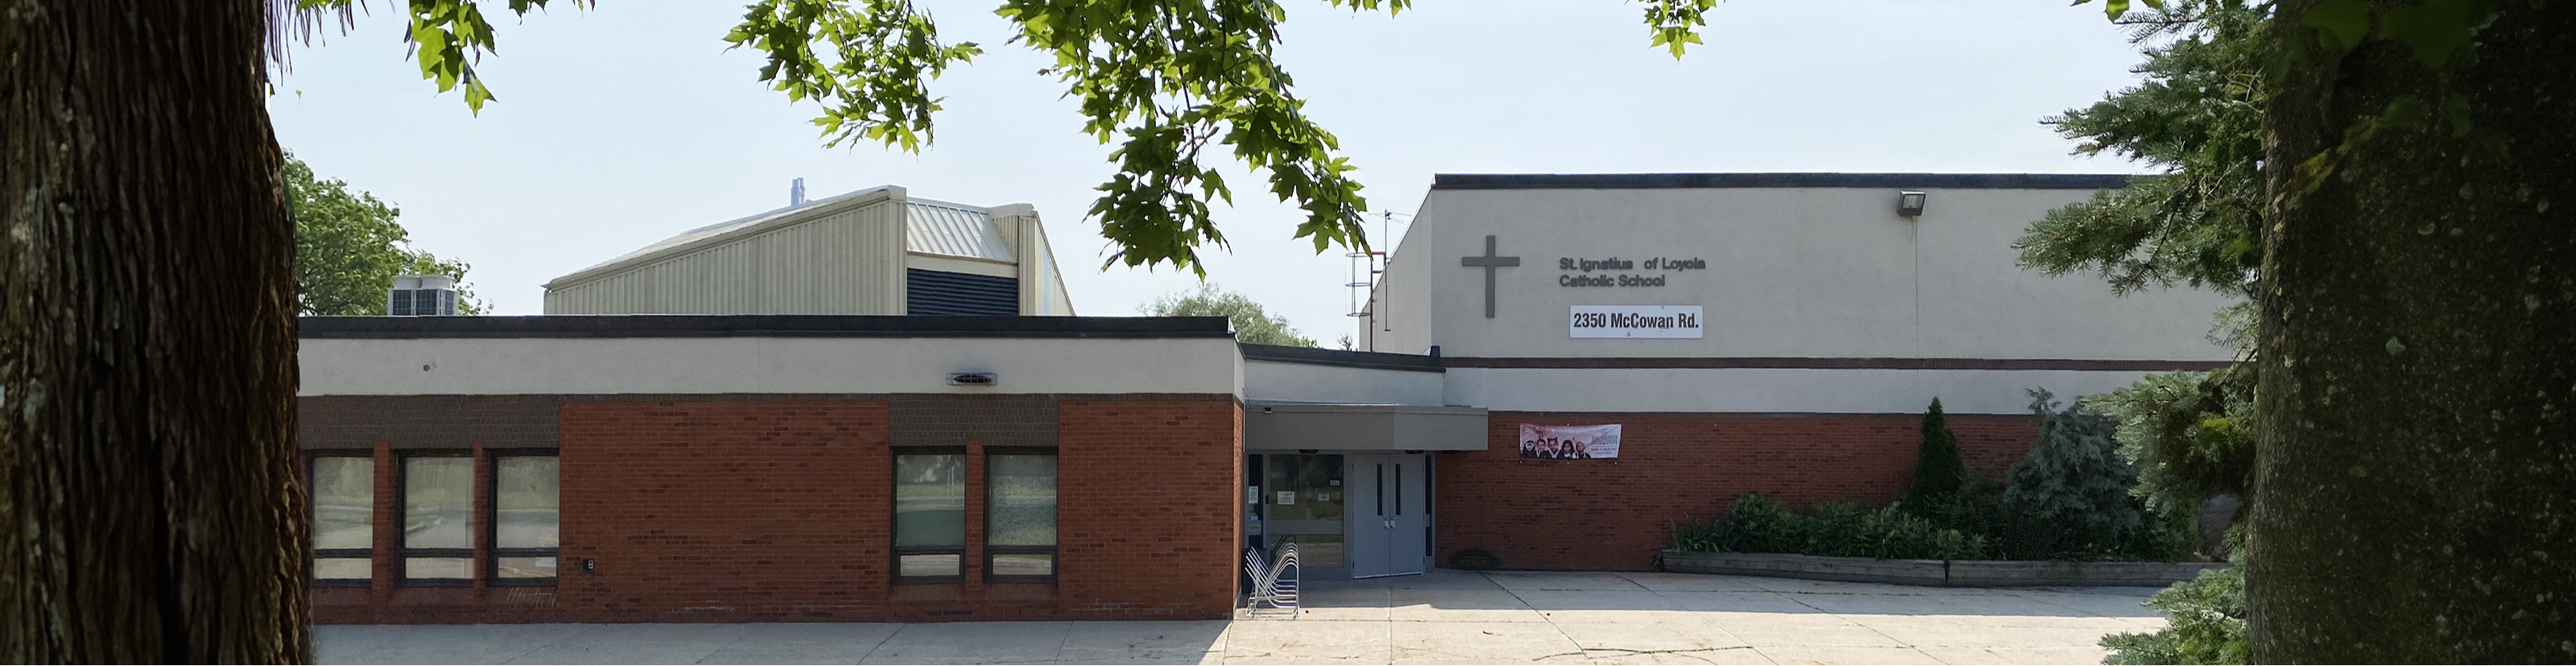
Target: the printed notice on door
pixel 1636 321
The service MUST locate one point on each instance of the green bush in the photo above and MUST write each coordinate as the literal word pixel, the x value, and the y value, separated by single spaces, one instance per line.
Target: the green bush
pixel 2207 625
pixel 2070 499
pixel 1839 529
pixel 1939 472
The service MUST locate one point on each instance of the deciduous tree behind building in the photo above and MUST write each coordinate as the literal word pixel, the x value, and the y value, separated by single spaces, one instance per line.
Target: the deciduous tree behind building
pixel 1251 323
pixel 349 248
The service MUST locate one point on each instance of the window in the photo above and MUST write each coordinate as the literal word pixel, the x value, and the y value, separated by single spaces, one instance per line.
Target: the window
pixel 1019 515
pixel 929 515
pixel 527 503
pixel 344 519
pixel 438 519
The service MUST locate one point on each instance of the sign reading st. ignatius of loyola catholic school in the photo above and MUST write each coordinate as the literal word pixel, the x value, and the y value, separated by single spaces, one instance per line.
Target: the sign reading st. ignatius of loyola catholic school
pixel 1635 321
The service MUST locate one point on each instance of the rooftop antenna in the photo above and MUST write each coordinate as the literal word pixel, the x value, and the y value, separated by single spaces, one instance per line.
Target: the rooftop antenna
pixel 796 193
pixel 1363 286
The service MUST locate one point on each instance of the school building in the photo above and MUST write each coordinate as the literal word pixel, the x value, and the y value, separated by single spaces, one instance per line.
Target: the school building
pixel 871 407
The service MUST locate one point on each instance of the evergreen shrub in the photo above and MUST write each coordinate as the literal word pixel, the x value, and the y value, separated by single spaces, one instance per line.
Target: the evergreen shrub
pixel 1939 473
pixel 2205 625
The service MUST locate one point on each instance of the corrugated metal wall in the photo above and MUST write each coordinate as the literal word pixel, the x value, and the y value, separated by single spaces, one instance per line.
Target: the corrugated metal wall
pixel 954 231
pixel 846 263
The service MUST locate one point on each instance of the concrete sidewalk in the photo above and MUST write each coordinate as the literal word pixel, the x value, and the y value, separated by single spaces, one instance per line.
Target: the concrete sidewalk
pixel 1441 617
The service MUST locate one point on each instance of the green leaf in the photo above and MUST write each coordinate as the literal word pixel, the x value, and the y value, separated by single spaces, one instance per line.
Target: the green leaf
pixel 2340 24
pixel 2115 8
pixel 2435 29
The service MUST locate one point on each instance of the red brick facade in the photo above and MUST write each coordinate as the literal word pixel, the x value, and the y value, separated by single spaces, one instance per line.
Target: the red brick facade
pixel 752 510
pixel 1615 514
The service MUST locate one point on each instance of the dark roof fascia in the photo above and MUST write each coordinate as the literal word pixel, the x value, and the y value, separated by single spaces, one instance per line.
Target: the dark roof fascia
pixel 758 326
pixel 1659 181
pixel 1337 357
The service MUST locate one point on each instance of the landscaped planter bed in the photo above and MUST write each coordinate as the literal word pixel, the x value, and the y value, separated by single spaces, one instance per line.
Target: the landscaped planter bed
pixel 1937 573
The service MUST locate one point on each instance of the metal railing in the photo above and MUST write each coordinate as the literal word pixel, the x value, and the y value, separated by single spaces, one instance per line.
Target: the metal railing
pixel 1274 583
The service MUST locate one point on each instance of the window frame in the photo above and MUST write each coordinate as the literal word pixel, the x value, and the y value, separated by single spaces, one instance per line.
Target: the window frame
pixel 403 552
pixel 314 556
pixel 1055 562
pixel 490 566
pixel 894 512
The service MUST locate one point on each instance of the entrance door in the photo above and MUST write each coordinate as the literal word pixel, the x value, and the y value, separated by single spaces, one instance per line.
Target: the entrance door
pixel 1390 513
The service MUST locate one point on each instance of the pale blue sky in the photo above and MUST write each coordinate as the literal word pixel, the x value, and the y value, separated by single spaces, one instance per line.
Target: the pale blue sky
pixel 627 124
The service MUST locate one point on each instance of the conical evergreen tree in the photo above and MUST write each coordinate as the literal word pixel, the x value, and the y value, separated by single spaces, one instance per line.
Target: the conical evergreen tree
pixel 1938 471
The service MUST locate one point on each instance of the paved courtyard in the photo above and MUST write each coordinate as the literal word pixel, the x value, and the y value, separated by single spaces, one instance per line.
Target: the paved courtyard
pixel 1441 617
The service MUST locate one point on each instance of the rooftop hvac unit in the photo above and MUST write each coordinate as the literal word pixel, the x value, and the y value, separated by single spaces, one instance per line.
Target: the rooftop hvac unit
pixel 422 296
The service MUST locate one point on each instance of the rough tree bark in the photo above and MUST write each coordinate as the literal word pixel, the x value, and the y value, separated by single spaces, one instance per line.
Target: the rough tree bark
pixel 151 510
pixel 2415 497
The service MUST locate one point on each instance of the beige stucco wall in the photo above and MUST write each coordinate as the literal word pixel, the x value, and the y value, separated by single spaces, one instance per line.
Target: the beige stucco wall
pixel 1274 381
pixel 1769 390
pixel 1792 272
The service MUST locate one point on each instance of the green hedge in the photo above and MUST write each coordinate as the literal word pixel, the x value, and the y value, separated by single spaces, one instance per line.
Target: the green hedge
pixel 1839 529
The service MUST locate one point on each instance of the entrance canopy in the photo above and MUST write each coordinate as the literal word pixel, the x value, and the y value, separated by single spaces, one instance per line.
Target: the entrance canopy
pixel 1303 426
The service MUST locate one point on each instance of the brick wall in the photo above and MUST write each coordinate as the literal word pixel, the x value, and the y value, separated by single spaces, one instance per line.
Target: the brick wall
pixel 1614 514
pixel 1151 497
pixel 747 510
pixel 742 509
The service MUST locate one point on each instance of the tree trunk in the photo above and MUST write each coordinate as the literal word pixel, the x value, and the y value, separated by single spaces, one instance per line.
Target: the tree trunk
pixel 152 511
pixel 2415 495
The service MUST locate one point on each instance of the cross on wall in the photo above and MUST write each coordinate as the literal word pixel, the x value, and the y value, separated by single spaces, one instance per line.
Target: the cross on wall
pixel 1489 262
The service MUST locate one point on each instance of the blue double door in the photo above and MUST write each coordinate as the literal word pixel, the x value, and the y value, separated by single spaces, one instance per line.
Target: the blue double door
pixel 1388 524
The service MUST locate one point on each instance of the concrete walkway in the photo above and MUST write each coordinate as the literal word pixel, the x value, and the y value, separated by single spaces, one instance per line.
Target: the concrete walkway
pixel 1441 617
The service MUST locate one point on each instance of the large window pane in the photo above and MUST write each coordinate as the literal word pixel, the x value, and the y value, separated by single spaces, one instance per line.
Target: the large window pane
pixel 438 515
pixel 438 503
pixel 344 504
pixel 342 568
pixel 424 568
pixel 1321 551
pixel 928 566
pixel 1303 487
pixel 930 501
pixel 929 516
pixel 1021 499
pixel 523 567
pixel 526 503
pixel 1023 565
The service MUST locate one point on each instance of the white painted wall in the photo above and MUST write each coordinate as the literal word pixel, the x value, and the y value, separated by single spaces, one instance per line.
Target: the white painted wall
pixel 1272 381
pixel 489 366
pixel 1766 390
pixel 1793 272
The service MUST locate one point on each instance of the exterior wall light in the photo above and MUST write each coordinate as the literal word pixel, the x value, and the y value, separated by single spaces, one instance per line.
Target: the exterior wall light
pixel 1909 204
pixel 973 379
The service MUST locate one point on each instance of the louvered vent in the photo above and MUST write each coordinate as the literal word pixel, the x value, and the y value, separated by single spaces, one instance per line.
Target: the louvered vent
pixel 944 293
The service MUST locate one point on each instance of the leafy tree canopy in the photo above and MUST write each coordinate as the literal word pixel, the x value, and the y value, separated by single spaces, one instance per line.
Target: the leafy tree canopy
pixel 2199 117
pixel 348 249
pixel 2190 435
pixel 1251 323
pixel 1174 82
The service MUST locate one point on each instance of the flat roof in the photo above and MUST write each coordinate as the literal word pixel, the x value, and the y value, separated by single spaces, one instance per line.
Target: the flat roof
pixel 1340 357
pixel 1656 181
pixel 758 326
